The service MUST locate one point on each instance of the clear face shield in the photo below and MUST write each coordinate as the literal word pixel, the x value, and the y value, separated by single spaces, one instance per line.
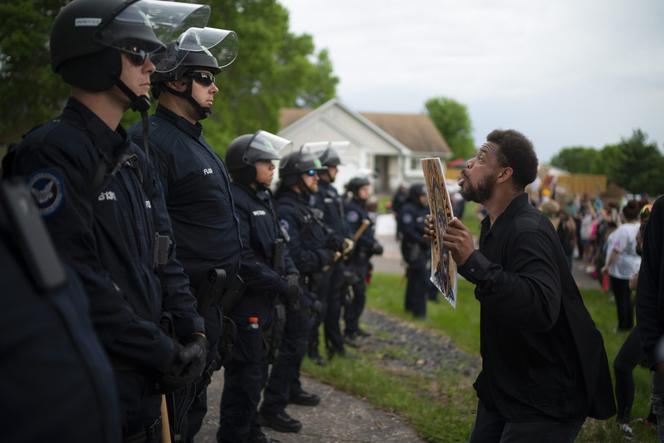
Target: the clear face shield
pixel 221 44
pixel 265 146
pixel 144 28
pixel 328 151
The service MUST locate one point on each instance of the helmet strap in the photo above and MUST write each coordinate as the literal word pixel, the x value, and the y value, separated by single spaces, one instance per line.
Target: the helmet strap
pixel 140 103
pixel 202 112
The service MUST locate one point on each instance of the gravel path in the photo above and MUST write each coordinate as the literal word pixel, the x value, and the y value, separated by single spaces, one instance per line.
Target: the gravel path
pixel 406 346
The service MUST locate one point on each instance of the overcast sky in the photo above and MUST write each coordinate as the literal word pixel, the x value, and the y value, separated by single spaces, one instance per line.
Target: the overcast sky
pixel 564 72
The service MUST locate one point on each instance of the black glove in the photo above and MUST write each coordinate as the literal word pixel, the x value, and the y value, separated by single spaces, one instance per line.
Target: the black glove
pixel 335 242
pixel 187 364
pixel 292 295
pixel 377 249
pixel 316 308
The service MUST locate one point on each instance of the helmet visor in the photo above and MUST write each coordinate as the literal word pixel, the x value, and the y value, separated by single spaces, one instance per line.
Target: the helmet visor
pixel 146 26
pixel 265 146
pixel 299 160
pixel 328 151
pixel 218 43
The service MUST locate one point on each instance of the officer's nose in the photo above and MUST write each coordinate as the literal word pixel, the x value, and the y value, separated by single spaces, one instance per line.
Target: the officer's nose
pixel 470 163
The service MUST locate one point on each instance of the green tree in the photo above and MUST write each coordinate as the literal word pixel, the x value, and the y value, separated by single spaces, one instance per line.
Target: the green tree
pixel 580 159
pixel 274 69
pixel 638 165
pixel 29 91
pixel 453 121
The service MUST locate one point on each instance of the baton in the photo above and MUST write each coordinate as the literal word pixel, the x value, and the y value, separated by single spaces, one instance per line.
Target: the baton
pixel 363 227
pixel 165 425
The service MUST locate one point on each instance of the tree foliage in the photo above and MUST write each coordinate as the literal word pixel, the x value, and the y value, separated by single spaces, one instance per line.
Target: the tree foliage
pixel 29 91
pixel 275 68
pixel 638 165
pixel 634 163
pixel 453 121
pixel 581 160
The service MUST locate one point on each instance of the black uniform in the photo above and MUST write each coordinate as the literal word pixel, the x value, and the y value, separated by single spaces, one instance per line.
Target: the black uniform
pixel 245 373
pixel 205 223
pixel 416 252
pixel 330 202
pixel 107 230
pixel 364 248
pixel 48 351
pixel 310 255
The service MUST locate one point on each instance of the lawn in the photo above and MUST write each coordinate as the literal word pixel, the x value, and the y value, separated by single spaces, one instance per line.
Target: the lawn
pixel 441 408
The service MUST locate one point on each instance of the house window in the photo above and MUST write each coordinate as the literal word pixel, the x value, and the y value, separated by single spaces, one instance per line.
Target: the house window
pixel 415 163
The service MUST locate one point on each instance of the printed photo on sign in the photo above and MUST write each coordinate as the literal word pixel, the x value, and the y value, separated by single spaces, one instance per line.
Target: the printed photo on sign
pixel 443 267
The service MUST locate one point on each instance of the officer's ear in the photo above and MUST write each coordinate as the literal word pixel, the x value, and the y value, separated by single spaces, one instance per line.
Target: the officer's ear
pixel 178 85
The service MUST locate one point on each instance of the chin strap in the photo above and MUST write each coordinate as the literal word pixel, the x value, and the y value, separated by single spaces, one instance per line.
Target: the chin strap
pixel 140 103
pixel 201 111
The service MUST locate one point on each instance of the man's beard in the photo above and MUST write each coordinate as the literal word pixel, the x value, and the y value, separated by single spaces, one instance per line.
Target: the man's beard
pixel 480 193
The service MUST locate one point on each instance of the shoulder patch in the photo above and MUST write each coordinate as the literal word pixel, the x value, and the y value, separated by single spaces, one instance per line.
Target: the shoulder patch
pixel 352 216
pixel 47 188
pixel 284 224
pixel 407 218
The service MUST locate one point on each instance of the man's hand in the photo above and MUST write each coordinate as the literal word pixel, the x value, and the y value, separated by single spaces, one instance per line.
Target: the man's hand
pixel 459 241
pixel 429 229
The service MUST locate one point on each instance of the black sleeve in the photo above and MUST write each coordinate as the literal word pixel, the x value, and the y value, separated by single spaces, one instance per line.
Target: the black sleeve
pixel 71 226
pixel 525 293
pixel 411 230
pixel 177 297
pixel 649 291
pixel 255 273
pixel 306 260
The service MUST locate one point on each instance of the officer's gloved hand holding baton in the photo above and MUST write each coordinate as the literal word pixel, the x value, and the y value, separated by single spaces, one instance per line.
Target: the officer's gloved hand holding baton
pixel 292 295
pixel 187 365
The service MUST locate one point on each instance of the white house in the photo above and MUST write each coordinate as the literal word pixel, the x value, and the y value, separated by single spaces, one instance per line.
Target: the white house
pixel 389 146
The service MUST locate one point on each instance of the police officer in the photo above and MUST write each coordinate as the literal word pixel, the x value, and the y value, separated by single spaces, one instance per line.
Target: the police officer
pixel 104 207
pixel 365 247
pixel 330 202
pixel 48 349
pixel 202 207
pixel 310 249
pixel 415 250
pixel 249 159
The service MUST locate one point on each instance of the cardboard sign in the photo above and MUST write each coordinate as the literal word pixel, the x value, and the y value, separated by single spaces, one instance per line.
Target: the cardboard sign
pixel 443 267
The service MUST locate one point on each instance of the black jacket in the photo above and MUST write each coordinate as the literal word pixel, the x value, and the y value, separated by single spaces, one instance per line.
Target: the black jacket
pixel 108 233
pixel 367 244
pixel 330 202
pixel 308 237
pixel 650 290
pixel 259 229
pixel 416 251
pixel 542 356
pixel 48 352
pixel 197 192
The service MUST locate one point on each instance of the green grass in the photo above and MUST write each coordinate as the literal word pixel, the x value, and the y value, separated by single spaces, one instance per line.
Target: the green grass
pixel 470 218
pixel 441 408
pixel 438 409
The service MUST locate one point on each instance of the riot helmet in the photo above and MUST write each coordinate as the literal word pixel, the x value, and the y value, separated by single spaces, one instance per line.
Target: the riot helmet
pixel 243 153
pixel 209 49
pixel 296 163
pixel 329 157
pixel 88 36
pixel 416 191
pixel 355 183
